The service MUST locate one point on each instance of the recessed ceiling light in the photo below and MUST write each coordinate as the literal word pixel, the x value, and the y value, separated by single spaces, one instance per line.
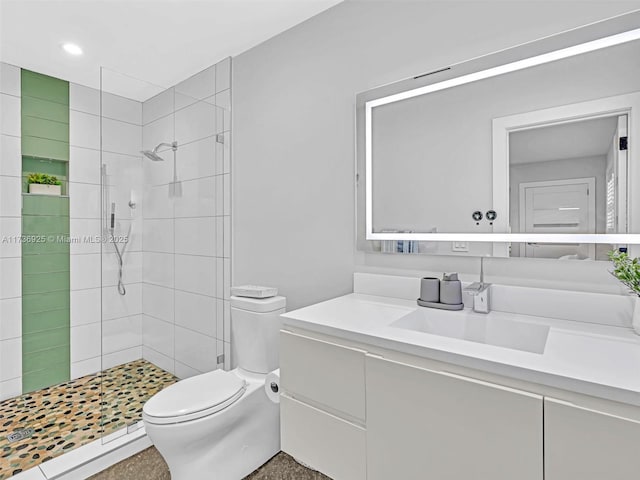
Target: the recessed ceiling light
pixel 72 49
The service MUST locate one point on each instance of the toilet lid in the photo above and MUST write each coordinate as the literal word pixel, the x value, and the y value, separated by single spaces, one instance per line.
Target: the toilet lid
pixel 194 397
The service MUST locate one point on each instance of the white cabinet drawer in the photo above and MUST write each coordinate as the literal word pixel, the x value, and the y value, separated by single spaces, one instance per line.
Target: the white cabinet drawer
pixel 326 443
pixel 323 373
pixel 589 445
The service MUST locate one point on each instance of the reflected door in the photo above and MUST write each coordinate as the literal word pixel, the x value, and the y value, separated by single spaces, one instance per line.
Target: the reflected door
pixel 558 206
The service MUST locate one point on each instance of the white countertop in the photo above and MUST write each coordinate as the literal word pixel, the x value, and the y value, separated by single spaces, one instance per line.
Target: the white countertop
pixel 597 360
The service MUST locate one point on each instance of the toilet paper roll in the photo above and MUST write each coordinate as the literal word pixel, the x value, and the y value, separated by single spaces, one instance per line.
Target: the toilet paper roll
pixel 272 386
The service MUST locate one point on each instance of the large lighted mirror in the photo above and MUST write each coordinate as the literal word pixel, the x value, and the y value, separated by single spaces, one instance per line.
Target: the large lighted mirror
pixel 529 150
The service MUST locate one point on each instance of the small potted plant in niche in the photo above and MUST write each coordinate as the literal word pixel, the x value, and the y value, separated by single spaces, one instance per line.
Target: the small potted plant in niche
pixel 44 184
pixel 627 270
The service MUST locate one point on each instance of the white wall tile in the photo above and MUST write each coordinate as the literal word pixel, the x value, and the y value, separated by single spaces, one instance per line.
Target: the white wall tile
pixel 158 235
pixel 195 350
pixel 226 322
pixel 197 159
pixel 84 165
pixel 121 137
pixel 184 371
pixel 219 278
pixel 10 229
pixel 195 274
pixel 159 131
pixel 159 360
pixel 10 119
pixel 86 367
pixel 223 75
pixel 158 269
pixel 115 305
pixel 158 106
pixel 227 278
pixel 196 312
pixel 158 302
pixel 121 108
pixel 123 356
pixel 158 335
pixel 10 158
pixel 197 87
pixel 227 236
pixel 10 318
pixel 195 236
pixel 226 148
pixel 121 334
pixel 223 102
pixel 85 271
pixel 84 99
pixel 11 278
pixel 157 203
pixel 10 197
pixel 220 236
pixel 228 365
pixel 198 198
pixel 227 194
pixel 84 200
pixel 85 341
pixel 10 388
pixel 84 130
pixel 85 234
pixel 219 195
pixel 220 319
pixel 10 359
pixel 85 306
pixel 10 79
pixel 131 269
pixel 195 122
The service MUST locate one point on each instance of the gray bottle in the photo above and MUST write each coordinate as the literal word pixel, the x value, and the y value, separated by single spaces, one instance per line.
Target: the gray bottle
pixel 450 289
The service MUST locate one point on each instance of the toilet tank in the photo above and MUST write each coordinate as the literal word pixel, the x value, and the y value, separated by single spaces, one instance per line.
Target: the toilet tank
pixel 255 328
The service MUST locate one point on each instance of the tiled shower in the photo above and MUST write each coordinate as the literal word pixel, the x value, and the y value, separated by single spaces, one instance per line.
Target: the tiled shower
pixel 176 263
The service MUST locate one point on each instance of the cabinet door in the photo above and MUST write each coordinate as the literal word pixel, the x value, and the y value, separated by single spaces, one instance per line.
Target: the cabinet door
pixel 327 375
pixel 423 424
pixel 326 443
pixel 589 445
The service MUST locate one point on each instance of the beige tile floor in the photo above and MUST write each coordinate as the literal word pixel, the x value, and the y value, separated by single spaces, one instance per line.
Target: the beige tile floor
pixel 149 465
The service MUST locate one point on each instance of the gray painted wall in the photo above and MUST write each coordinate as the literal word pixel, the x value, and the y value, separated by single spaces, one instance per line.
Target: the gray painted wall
pixel 294 135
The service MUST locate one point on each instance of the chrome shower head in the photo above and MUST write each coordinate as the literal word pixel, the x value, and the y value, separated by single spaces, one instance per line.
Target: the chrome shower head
pixel 153 154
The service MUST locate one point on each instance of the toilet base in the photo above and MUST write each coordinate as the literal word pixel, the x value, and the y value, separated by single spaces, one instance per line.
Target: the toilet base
pixel 227 445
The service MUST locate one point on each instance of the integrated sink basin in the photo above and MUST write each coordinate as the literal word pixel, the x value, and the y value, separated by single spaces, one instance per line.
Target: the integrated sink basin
pixel 489 329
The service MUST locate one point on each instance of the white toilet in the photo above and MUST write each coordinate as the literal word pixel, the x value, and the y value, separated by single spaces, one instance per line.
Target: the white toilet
pixel 221 425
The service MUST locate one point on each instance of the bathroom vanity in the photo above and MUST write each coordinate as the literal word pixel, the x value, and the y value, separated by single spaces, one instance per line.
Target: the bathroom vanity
pixel 376 387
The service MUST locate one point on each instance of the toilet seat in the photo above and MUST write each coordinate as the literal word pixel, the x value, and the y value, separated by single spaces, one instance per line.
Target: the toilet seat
pixel 194 398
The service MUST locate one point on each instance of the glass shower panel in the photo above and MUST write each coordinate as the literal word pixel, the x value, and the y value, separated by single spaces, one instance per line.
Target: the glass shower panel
pixel 163 221
pixel 128 379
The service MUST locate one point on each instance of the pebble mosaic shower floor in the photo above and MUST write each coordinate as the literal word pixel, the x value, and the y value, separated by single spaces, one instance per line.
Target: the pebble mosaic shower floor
pixel 75 413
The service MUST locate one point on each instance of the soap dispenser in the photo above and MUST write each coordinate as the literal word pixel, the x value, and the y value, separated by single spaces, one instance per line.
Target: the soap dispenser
pixel 450 289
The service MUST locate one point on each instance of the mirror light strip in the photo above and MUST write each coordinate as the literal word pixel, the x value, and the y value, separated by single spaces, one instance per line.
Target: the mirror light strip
pixel 553 56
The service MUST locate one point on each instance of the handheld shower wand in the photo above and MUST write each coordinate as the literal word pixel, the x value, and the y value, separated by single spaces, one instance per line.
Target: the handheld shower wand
pixel 120 254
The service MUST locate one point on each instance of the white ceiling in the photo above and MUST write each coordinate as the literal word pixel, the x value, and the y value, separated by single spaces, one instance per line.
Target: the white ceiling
pixel 587 138
pixel 158 41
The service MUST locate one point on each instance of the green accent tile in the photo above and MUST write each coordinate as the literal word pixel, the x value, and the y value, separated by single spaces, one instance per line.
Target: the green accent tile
pixel 44 378
pixel 40 322
pixel 43 359
pixel 44 148
pixel 44 225
pixel 44 302
pixel 40 165
pixel 45 263
pixel 43 205
pixel 45 282
pixel 37 107
pixel 34 342
pixel 39 127
pixel 44 248
pixel 43 86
